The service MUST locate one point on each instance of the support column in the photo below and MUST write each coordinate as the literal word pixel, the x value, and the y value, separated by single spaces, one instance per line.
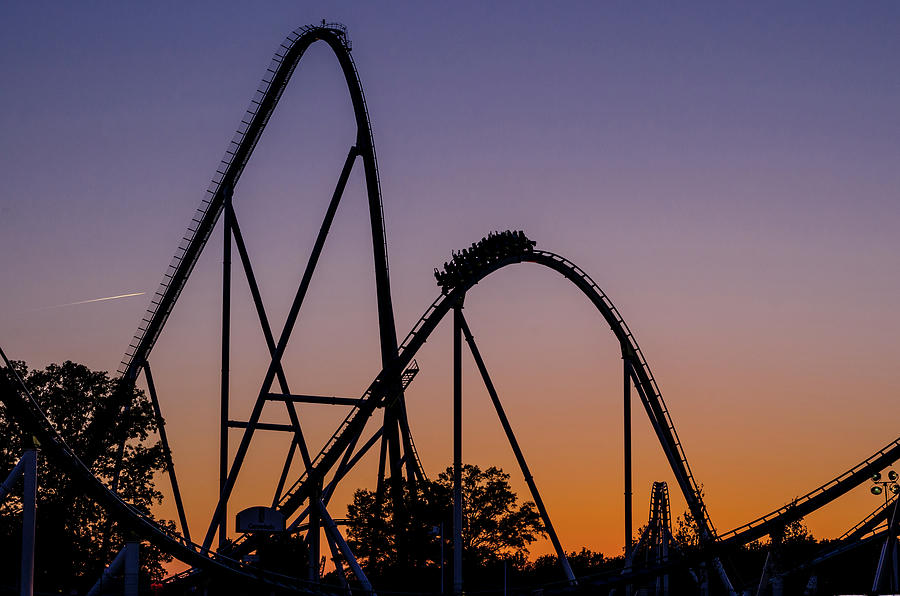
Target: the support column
pixel 167 453
pixel 517 451
pixel 457 449
pixel 332 530
pixel 627 435
pixel 132 567
pixel 890 543
pixel 312 534
pixel 275 366
pixel 29 511
pixel 226 357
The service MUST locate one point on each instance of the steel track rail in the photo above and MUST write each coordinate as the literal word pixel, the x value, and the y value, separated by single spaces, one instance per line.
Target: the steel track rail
pixel 22 406
pixel 354 424
pixel 657 410
pixel 228 173
pixel 815 499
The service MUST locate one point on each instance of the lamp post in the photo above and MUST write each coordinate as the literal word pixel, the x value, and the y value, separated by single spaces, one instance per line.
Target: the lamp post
pixel 889 550
pixel 886 487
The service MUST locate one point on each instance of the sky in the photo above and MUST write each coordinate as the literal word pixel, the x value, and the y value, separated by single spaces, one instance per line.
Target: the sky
pixel 727 173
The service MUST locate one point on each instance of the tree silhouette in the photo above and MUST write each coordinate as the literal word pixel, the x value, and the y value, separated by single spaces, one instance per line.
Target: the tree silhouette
pixel 495 525
pixel 70 550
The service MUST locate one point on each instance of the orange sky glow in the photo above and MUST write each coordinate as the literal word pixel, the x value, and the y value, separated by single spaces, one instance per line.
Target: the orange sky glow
pixel 733 191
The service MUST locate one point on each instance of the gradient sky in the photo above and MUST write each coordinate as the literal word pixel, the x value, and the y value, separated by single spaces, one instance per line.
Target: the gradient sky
pixel 727 173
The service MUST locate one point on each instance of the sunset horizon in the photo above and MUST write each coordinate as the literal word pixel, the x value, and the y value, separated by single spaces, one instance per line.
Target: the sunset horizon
pixel 717 187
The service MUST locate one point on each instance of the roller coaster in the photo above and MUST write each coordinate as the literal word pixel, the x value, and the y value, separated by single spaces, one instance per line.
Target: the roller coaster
pixel 303 503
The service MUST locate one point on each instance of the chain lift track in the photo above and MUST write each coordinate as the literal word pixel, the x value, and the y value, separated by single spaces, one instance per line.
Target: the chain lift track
pixel 229 171
pixel 342 451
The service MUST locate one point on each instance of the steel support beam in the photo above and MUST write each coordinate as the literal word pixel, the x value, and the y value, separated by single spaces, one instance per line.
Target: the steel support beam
pixel 167 452
pixel 517 450
pixel 285 469
pixel 267 334
pixel 348 462
pixel 128 559
pixel 457 449
pixel 314 399
pixel 886 564
pixel 332 530
pixel 113 568
pixel 226 360
pixel 261 426
pixel 11 479
pixel 132 567
pixel 275 364
pixel 29 513
pixel 629 528
pixel 338 565
pixel 313 542
pixel 380 486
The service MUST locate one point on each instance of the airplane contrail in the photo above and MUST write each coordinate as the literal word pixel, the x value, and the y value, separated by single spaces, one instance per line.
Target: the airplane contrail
pixel 93 300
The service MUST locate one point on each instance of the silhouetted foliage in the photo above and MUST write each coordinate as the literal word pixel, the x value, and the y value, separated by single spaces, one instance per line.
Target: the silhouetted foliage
pixel 686 532
pixel 70 553
pixel 496 527
pixel 284 553
pixel 546 569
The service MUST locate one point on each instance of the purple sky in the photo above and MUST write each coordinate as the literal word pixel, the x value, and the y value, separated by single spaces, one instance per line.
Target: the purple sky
pixel 728 174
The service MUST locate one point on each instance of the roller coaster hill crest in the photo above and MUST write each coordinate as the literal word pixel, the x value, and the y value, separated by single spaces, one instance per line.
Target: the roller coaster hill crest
pixel 377 421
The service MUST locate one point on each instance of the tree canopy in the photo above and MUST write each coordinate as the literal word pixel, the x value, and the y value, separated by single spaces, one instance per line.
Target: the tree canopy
pixel 74 540
pixel 496 526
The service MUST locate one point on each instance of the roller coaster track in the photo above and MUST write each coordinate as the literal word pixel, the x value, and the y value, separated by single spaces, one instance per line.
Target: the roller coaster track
pixel 815 499
pixel 351 428
pixel 397 360
pixel 348 433
pixel 22 406
pixel 229 171
pixel 261 107
pixel 868 524
pixel 353 425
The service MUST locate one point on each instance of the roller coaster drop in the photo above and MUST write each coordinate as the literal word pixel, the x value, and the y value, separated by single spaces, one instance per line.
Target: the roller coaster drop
pixel 305 501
